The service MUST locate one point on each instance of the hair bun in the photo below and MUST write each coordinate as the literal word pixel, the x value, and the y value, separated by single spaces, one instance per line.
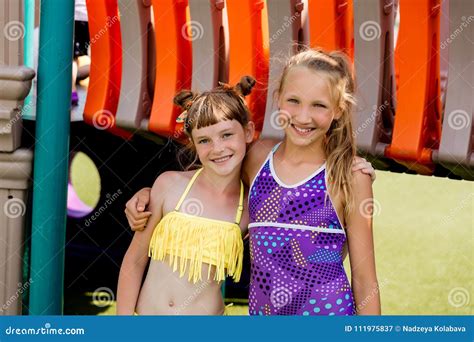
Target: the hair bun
pixel 184 98
pixel 244 87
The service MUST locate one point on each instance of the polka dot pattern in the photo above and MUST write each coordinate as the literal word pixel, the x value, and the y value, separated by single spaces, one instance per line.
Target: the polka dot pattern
pixel 296 270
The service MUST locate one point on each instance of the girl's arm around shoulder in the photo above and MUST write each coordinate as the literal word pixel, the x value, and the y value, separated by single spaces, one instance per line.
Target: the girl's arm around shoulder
pixel 136 257
pixel 361 247
pixel 256 154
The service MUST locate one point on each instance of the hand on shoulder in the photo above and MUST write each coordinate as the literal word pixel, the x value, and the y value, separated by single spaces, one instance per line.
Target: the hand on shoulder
pixel 362 184
pixel 366 167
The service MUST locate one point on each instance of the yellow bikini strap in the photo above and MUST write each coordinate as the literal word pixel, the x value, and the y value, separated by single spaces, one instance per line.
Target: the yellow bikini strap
pixel 190 184
pixel 240 209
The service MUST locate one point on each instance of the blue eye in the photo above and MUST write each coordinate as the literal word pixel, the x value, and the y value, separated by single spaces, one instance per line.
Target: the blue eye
pixel 203 141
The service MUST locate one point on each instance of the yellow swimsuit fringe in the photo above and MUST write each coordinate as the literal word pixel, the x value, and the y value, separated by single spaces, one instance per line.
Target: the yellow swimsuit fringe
pixel 190 241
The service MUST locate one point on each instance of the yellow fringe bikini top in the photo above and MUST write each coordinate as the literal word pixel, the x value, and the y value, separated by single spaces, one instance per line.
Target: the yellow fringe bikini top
pixel 191 240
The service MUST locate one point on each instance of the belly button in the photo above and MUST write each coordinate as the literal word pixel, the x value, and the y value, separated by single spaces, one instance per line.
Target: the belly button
pixel 171 304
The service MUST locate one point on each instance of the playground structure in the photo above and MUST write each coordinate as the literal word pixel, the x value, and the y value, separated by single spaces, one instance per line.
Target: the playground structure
pixel 414 112
pixel 223 40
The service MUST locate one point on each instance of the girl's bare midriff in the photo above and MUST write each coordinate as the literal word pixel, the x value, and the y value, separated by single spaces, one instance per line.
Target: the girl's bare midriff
pixel 164 292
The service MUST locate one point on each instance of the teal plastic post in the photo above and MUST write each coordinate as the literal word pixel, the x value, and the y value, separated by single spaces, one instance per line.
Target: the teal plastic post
pixel 51 157
pixel 28 48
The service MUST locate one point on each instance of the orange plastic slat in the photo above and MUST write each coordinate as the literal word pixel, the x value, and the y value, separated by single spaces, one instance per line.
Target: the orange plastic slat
pixel 249 51
pixel 331 25
pixel 106 63
pixel 417 127
pixel 173 63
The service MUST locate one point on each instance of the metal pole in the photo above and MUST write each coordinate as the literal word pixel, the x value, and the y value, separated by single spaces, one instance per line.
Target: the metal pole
pixel 51 157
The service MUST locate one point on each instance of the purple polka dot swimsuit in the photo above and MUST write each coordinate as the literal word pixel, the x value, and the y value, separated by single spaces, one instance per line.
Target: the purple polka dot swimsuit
pixel 296 248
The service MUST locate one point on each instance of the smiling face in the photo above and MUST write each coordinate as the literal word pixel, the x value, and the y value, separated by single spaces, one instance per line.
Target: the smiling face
pixel 221 147
pixel 306 99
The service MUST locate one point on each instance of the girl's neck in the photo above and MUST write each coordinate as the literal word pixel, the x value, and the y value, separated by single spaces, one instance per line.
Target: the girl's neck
pixel 221 185
pixel 311 154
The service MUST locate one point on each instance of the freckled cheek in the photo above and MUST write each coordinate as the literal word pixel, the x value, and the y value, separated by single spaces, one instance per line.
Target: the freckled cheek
pixel 238 146
pixel 203 152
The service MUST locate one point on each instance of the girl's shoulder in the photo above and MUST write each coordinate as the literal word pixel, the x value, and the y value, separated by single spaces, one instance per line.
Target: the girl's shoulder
pixel 256 155
pixel 361 182
pixel 168 187
pixel 261 147
pixel 172 180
